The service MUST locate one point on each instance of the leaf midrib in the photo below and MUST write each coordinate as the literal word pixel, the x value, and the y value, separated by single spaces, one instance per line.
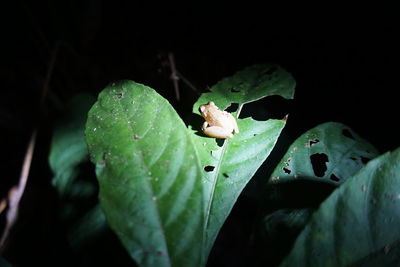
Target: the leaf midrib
pixel 215 180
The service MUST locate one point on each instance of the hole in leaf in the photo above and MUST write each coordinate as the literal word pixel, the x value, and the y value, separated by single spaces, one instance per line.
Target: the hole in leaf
pixel 286 170
pixel 313 142
pixel 233 90
pixel 225 175
pixel 104 159
pixel 318 162
pixel 365 159
pixel 232 108
pixel 120 95
pixel 272 107
pixel 334 178
pixel 220 142
pixel 347 133
pixel 209 168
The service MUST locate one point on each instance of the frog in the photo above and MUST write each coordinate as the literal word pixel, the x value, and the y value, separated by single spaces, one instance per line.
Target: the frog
pixel 218 123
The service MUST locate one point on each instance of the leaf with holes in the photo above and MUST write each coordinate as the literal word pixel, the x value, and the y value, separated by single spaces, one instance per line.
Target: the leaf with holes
pixel 239 158
pixel 248 85
pixel 330 152
pixel 358 223
pixel 166 190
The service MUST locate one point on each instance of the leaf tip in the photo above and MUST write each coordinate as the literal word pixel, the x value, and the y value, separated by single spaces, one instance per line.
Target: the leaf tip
pixel 285 118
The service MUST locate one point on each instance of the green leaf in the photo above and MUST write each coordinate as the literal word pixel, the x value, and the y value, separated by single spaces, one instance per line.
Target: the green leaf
pixel 68 148
pixel 88 228
pixel 149 173
pixel 291 220
pixel 166 190
pixel 317 162
pixel 248 85
pixel 76 187
pixel 276 232
pixel 235 164
pixel 358 223
pixel 331 152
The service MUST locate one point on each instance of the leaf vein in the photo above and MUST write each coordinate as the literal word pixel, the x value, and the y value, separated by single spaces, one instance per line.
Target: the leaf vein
pixel 149 184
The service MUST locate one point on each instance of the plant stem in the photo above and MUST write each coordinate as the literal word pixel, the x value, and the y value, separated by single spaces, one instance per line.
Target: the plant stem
pixel 16 192
pixel 174 76
pixel 239 110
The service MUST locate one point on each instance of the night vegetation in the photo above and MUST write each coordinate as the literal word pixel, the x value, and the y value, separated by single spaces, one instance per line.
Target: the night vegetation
pixel 105 162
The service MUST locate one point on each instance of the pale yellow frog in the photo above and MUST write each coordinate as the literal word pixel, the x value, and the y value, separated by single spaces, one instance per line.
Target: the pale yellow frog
pixel 219 123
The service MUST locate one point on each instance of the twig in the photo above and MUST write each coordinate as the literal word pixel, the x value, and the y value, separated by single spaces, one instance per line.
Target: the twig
pixel 16 192
pixel 50 68
pixel 187 82
pixel 174 76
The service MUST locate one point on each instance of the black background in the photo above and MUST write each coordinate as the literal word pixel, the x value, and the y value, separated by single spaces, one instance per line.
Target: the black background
pixel 344 59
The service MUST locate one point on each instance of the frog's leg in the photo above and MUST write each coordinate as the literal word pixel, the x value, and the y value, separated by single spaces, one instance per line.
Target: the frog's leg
pixel 217 132
pixel 204 126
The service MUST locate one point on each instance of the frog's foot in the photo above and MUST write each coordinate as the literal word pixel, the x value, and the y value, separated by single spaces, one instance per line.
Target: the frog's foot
pixel 217 132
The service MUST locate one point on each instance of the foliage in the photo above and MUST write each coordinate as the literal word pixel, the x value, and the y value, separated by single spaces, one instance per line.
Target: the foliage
pixel 356 224
pixel 330 153
pixel 166 190
pixel 86 230
pixel 315 164
pixel 67 159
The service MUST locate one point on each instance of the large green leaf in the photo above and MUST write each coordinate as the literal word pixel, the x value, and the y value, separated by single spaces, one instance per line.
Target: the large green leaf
pixel 68 148
pixel 76 187
pixel 275 233
pixel 165 189
pixel 149 174
pixel 358 223
pixel 331 152
pixel 250 148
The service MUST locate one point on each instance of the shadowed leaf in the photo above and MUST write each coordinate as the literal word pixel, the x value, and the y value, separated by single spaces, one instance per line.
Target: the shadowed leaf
pixel 358 223
pixel 331 152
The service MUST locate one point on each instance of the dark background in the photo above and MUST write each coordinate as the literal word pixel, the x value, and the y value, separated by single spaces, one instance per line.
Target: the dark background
pixel 345 62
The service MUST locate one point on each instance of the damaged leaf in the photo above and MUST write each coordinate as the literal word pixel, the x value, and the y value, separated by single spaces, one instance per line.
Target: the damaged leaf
pixel 165 189
pixel 248 85
pixel 357 225
pixel 330 152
